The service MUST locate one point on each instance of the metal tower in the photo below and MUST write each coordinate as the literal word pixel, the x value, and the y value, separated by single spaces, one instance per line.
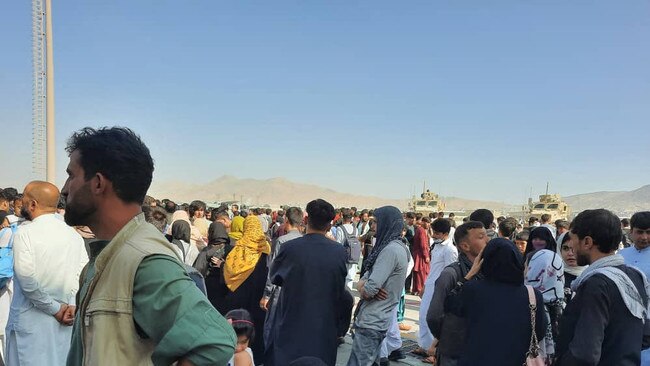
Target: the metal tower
pixel 43 155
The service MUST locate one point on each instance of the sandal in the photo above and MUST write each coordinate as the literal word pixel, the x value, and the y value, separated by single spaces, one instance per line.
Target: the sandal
pixel 420 352
pixel 430 359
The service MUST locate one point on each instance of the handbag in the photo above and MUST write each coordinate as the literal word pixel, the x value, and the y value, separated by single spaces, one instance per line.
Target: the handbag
pixel 533 356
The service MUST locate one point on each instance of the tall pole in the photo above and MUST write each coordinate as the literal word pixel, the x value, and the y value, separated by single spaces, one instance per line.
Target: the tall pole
pixel 49 100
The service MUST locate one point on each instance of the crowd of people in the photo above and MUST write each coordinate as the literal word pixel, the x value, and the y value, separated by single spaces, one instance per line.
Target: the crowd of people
pixel 99 273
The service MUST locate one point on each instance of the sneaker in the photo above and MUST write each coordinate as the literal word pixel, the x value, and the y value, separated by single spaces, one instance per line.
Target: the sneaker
pixel 396 355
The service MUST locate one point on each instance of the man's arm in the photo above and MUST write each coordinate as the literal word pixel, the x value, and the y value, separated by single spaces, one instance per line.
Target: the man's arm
pixel 382 269
pixel 444 284
pixel 170 310
pixel 25 272
pixel 586 346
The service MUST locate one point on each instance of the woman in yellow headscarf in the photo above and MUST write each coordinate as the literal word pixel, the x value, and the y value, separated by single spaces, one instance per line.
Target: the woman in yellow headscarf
pixel 243 258
pixel 245 272
pixel 236 228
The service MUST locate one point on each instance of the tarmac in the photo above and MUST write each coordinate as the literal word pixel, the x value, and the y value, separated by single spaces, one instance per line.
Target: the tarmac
pixel 409 338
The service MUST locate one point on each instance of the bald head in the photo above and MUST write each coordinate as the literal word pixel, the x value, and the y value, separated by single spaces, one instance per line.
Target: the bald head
pixel 45 194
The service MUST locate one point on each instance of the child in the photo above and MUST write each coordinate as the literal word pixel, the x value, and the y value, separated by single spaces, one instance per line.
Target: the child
pixel 245 329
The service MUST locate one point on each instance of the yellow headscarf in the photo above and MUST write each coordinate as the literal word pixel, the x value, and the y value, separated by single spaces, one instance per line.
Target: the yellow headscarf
pixel 236 228
pixel 243 258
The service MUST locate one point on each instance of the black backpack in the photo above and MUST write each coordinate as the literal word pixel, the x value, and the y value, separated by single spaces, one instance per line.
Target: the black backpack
pixel 352 245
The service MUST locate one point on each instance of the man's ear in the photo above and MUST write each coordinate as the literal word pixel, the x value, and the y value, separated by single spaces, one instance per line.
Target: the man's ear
pixel 589 243
pixel 99 184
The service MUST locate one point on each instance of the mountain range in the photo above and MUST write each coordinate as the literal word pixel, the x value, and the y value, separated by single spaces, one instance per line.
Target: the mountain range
pixel 280 191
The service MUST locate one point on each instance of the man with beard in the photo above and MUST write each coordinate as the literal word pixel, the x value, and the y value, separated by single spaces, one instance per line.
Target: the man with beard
pixel 604 322
pixel 48 259
pixel 136 304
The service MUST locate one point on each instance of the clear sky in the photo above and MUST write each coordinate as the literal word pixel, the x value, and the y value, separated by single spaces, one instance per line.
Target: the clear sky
pixel 483 99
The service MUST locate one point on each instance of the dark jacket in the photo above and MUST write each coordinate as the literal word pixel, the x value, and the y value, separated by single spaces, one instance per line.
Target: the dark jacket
pixel 597 328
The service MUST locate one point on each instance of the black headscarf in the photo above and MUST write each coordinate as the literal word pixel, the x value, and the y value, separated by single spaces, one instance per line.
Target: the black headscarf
pixel 544 233
pixel 502 262
pixel 389 228
pixel 181 231
pixel 217 234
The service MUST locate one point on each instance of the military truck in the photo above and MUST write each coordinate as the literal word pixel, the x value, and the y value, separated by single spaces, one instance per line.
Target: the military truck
pixel 551 204
pixel 427 203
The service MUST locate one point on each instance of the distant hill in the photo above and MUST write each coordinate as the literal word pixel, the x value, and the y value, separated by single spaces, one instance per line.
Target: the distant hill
pixel 280 191
pixel 623 203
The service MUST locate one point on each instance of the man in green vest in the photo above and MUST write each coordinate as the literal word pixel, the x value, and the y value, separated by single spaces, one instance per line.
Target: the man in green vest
pixel 136 304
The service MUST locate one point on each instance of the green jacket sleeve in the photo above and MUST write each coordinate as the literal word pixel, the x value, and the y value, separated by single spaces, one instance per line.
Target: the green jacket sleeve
pixel 172 311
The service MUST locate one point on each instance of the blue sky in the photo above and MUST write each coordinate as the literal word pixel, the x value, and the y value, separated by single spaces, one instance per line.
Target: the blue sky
pixel 483 99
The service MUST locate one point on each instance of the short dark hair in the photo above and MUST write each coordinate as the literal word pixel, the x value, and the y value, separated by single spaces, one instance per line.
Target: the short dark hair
pixel 507 227
pixel 483 215
pixel 463 230
pixel 269 211
pixel 601 225
pixel 170 207
pixel 10 193
pixel 196 206
pixel 294 216
pixel 523 235
pixel 532 219
pixel 410 215
pixel 119 155
pixel 546 218
pixel 432 215
pixel 320 214
pixel 625 222
pixel 451 214
pixel 219 214
pixel 242 323
pixel 640 220
pixel 155 216
pixel 441 226
pixel 346 213
pixel 561 224
pixel 426 219
pixel 418 216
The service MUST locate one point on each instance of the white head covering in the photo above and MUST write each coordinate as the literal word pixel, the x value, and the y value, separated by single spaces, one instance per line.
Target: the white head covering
pixel 546 274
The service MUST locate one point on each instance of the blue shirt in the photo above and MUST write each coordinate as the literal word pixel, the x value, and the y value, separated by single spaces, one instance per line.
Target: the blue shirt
pixel 637 258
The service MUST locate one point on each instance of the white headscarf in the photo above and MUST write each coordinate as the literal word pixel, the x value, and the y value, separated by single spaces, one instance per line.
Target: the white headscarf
pixel 546 274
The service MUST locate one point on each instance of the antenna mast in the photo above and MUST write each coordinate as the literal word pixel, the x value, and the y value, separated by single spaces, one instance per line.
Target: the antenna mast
pixel 43 139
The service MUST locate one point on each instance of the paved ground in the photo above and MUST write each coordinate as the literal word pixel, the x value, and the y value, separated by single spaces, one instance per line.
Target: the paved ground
pixel 409 338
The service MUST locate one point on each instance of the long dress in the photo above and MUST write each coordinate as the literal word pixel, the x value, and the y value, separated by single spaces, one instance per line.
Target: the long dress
pixel 420 258
pixel 247 296
pixel 313 303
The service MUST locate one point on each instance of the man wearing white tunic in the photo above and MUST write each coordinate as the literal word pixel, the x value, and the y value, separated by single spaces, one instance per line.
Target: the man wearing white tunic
pixel 48 259
pixel 443 254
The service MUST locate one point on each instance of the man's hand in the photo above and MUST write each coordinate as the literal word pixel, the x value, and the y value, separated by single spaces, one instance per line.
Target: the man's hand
pixel 428 260
pixel 264 303
pixel 381 295
pixel 476 267
pixel 68 316
pixel 216 261
pixel 61 313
